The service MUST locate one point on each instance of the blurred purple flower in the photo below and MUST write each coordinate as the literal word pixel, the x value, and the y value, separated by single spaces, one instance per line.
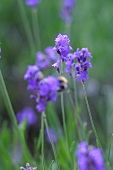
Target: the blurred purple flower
pixel 89 157
pixel 47 91
pixel 67 9
pixel 28 114
pixel 33 76
pixel 42 61
pixel 52 134
pixel 32 3
pixel 83 63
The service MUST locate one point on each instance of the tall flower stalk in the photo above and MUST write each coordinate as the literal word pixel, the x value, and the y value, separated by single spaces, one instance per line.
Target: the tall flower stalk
pixel 67 9
pixel 62 47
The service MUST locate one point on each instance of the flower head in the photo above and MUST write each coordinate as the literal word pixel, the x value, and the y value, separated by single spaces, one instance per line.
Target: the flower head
pixel 47 91
pixel 28 114
pixel 62 46
pixel 89 158
pixel 32 3
pixel 83 63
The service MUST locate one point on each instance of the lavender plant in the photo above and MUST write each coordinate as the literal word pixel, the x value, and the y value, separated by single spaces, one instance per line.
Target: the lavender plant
pixel 69 152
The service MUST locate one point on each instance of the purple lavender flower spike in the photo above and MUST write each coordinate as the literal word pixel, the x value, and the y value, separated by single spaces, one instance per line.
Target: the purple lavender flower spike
pixel 28 114
pixel 42 61
pixel 89 157
pixel 51 54
pixel 83 63
pixel 67 9
pixel 62 46
pixel 33 76
pixel 52 134
pixel 44 90
pixel 32 3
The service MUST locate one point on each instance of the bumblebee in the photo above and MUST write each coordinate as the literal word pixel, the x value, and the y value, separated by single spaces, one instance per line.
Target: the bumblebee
pixel 63 83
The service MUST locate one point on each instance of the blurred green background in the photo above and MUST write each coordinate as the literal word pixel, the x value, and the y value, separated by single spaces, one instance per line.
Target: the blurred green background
pixel 91 27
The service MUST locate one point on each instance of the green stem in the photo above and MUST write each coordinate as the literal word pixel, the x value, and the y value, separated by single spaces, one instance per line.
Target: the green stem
pixel 109 150
pixel 36 28
pixel 93 126
pixel 90 116
pixel 42 148
pixel 50 138
pixel 26 26
pixel 13 118
pixel 63 112
pixel 76 105
pixel 64 119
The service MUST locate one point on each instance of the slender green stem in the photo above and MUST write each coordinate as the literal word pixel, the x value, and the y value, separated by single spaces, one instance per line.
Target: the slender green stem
pixel 93 126
pixel 63 112
pixel 75 92
pixel 26 26
pixel 64 119
pixel 50 138
pixel 76 105
pixel 109 150
pixel 12 117
pixel 36 28
pixel 42 149
pixel 90 116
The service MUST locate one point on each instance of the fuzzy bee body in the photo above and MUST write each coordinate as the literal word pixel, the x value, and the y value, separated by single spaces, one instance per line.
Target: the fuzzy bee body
pixel 63 83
